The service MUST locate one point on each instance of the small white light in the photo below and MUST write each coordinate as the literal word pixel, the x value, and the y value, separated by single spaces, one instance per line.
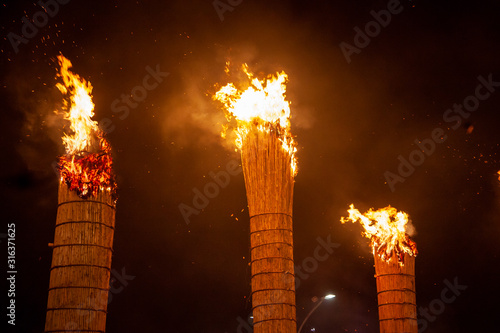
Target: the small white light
pixel 329 296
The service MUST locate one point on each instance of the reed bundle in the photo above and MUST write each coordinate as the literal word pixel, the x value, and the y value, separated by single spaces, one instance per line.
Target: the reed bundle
pixel 397 307
pixel 81 262
pixel 269 184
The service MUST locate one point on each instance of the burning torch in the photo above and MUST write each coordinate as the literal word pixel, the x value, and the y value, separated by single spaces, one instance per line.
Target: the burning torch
pixel 268 159
pixel 394 253
pixel 83 240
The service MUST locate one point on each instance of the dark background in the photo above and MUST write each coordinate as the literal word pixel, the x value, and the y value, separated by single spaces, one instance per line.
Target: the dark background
pixel 352 121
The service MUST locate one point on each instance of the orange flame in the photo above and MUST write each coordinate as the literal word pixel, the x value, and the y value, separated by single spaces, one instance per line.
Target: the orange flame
pixel 80 109
pixel 386 229
pixel 87 165
pixel 263 104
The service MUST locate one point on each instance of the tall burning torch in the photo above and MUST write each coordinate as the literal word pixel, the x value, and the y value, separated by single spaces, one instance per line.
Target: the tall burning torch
pixel 394 253
pixel 83 240
pixel 268 159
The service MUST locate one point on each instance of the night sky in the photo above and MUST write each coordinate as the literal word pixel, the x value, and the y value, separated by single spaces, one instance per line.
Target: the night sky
pixel 355 118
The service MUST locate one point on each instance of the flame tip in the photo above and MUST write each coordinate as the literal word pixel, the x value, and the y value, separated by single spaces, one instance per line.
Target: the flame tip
pixel 386 229
pixel 262 104
pixel 86 166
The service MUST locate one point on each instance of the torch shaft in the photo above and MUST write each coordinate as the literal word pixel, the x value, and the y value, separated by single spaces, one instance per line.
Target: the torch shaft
pixel 396 294
pixel 269 185
pixel 81 262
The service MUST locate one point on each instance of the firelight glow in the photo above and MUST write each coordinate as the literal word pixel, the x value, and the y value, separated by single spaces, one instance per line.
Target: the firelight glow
pixel 262 104
pixel 86 166
pixel 386 229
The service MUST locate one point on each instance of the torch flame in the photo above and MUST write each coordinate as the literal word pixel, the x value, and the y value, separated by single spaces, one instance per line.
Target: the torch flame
pixel 263 104
pixel 386 229
pixel 86 166
pixel 80 109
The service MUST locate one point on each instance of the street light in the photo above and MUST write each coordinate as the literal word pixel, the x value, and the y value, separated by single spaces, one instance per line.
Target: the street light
pixel 329 296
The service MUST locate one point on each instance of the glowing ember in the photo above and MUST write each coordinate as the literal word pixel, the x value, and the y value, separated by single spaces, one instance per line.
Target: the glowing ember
pixel 261 105
pixel 386 229
pixel 86 166
pixel 498 175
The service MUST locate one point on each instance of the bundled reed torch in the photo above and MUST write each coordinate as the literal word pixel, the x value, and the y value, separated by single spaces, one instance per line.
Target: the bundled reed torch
pixel 394 253
pixel 268 159
pixel 81 260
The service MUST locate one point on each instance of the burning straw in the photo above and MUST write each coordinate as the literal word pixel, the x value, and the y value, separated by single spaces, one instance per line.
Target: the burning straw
pixel 82 248
pixel 394 253
pixel 269 167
